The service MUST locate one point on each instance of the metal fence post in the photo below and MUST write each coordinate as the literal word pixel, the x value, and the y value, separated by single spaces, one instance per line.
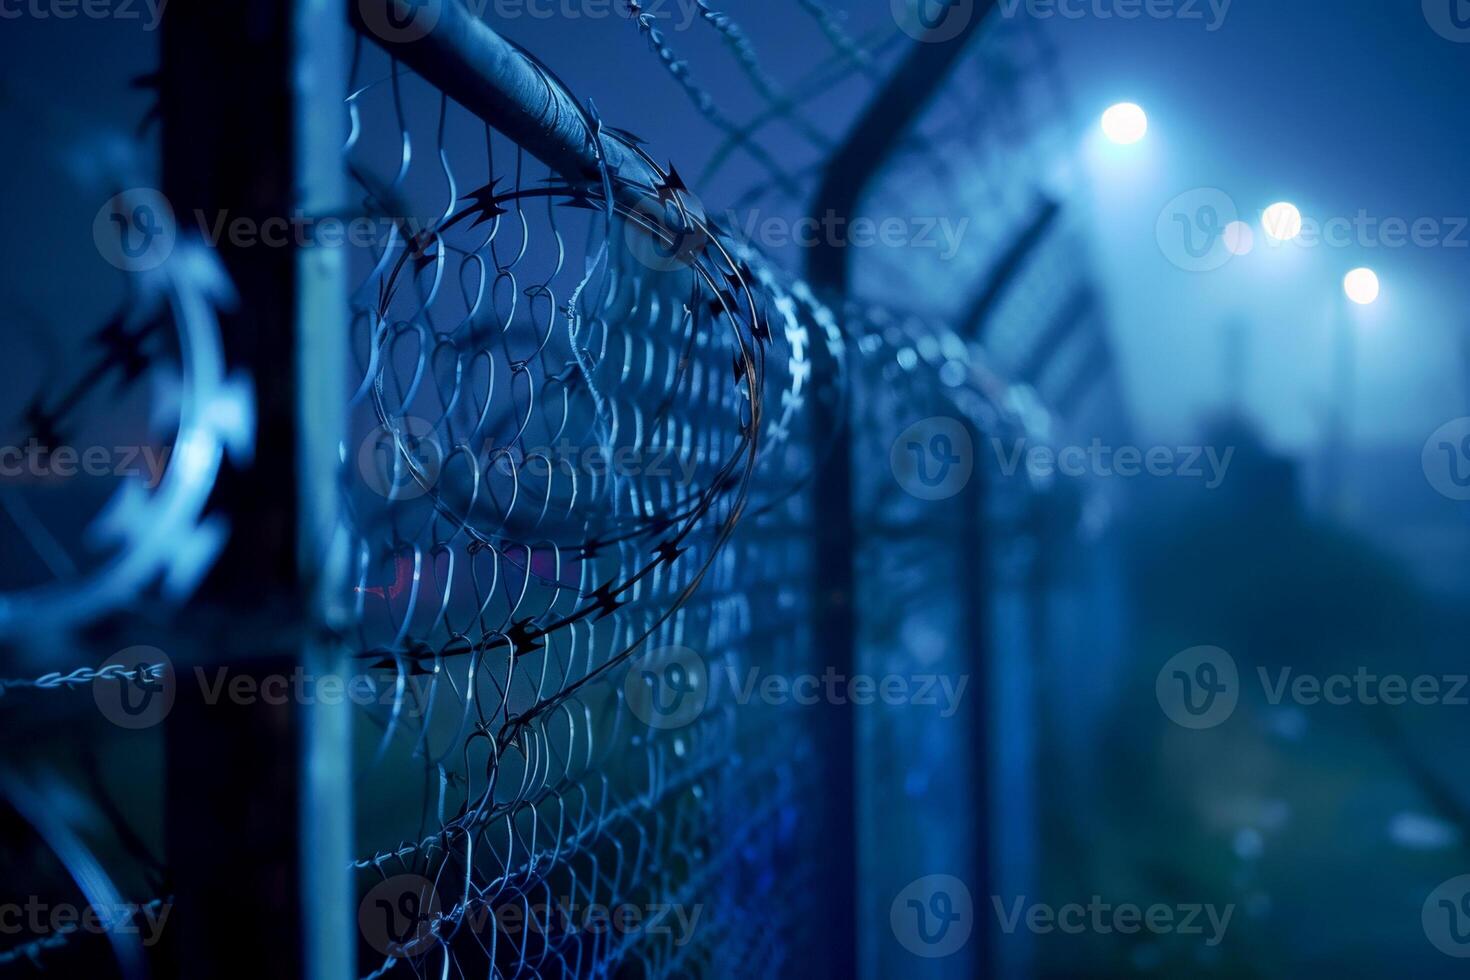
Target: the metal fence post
pixel 259 796
pixel 847 175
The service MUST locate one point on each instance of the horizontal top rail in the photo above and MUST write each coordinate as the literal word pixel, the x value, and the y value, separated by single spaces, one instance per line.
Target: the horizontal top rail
pixel 496 80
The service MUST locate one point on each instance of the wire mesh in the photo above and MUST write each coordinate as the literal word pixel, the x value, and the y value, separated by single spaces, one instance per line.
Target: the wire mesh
pixel 568 402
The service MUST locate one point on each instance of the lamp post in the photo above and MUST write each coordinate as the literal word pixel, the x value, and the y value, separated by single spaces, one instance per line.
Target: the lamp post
pixel 1361 288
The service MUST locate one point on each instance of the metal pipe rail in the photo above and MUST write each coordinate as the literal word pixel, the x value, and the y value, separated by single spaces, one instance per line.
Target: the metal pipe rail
pixel 505 86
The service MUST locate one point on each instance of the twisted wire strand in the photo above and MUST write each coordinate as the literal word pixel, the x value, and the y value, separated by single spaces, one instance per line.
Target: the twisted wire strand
pixel 84 676
pixel 32 951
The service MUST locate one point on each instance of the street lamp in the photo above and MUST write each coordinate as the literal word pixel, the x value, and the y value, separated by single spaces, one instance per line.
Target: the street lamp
pixel 1361 286
pixel 1282 221
pixel 1125 123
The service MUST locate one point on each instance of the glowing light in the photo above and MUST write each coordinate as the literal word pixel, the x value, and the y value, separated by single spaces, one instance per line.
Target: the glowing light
pixel 1282 221
pixel 1361 286
pixel 1239 239
pixel 1125 123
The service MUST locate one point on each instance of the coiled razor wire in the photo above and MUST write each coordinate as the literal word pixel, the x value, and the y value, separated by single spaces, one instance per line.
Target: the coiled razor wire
pixel 526 588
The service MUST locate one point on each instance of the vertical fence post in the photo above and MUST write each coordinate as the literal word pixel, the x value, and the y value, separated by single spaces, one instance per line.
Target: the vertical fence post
pixel 847 176
pixel 258 811
pixel 1007 854
pixel 319 73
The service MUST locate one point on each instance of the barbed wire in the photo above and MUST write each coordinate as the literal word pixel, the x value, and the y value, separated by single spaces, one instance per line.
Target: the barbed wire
pixel 32 950
pixel 84 676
